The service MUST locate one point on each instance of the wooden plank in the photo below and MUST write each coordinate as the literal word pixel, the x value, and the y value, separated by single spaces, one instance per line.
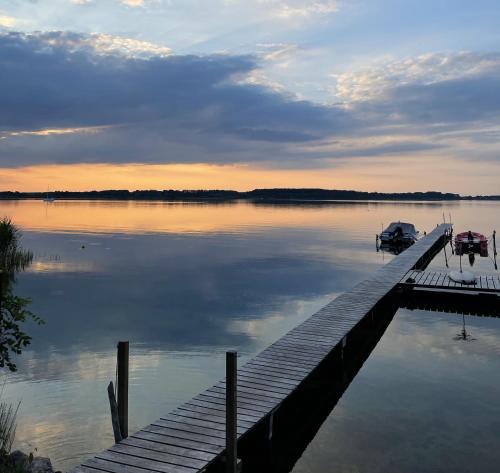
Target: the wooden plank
pixel 194 408
pixel 215 398
pixel 157 434
pixel 145 463
pixel 268 376
pixel 166 448
pixel 215 406
pixel 258 390
pixel 270 385
pixel 175 430
pixel 96 464
pixel 265 399
pixel 440 279
pixel 420 274
pixel 288 357
pixel 212 416
pixel 295 352
pixel 203 434
pixel 495 284
pixel 201 420
pixel 144 450
pixel 250 399
pixel 423 281
pixel 298 346
pixel 287 368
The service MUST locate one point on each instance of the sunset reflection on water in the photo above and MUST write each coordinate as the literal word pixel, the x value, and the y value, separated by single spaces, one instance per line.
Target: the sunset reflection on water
pixel 183 282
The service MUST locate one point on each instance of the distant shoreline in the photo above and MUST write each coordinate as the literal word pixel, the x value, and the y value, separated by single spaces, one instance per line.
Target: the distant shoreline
pixel 257 195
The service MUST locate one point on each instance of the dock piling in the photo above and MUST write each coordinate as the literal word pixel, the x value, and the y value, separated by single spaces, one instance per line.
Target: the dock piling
pixel 122 385
pixel 114 413
pixel 495 249
pixel 231 412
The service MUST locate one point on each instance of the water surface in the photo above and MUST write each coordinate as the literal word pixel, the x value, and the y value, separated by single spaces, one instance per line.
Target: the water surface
pixel 184 282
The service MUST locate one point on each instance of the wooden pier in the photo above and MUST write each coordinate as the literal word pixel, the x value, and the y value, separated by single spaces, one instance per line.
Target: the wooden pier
pixel 192 437
pixel 434 290
pixel 439 280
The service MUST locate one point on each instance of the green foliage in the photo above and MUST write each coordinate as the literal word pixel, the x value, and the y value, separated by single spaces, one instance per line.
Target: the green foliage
pixel 13 309
pixel 12 338
pixel 12 257
pixel 8 415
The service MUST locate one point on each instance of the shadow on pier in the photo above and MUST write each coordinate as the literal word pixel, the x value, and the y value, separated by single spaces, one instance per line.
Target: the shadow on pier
pixel 280 439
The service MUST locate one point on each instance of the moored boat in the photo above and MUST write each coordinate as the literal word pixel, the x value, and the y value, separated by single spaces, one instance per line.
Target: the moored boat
pixel 471 242
pixel 399 232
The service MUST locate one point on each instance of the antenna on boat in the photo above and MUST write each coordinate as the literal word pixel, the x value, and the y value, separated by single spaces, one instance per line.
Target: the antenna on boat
pixel 495 248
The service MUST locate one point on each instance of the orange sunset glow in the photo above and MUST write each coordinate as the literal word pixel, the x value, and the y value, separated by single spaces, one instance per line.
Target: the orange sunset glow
pixel 392 175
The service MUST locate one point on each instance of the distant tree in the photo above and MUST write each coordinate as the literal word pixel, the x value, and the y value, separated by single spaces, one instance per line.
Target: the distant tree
pixel 13 309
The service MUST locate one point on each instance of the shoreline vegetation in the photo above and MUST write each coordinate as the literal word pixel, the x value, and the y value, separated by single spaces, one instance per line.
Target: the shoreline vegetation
pixel 256 195
pixel 13 315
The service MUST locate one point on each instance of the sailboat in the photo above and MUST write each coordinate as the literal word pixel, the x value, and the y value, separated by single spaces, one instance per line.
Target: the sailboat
pixel 48 197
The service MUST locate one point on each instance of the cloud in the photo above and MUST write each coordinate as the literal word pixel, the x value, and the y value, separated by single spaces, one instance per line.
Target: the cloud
pixel 379 78
pixel 133 3
pixel 73 98
pixel 291 9
pixel 53 131
pixel 6 21
pixel 188 105
pixel 436 92
pixel 303 9
pixel 98 44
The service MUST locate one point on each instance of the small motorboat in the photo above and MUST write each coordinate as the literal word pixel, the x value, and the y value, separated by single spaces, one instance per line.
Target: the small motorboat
pixel 399 232
pixel 470 243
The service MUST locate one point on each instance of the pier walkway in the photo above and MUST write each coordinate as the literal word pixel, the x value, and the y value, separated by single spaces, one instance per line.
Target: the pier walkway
pixel 192 437
pixel 439 280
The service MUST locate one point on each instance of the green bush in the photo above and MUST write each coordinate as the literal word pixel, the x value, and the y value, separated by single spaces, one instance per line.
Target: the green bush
pixel 13 309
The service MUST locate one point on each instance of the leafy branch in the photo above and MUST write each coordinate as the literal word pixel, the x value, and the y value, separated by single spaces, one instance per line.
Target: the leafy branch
pixel 13 309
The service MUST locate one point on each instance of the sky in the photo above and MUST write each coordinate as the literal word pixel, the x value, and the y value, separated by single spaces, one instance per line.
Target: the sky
pixel 377 95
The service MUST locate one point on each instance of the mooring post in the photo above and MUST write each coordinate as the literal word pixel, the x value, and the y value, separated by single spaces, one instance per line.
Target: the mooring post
pixel 122 387
pixel 115 422
pixel 231 413
pixel 495 248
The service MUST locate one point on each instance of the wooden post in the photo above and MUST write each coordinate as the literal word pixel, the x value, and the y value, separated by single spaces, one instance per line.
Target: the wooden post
pixel 122 384
pixel 114 413
pixel 231 413
pixel 1 292
pixel 495 248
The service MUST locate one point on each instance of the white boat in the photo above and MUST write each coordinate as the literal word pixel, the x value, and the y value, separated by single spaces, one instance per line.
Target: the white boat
pixel 48 197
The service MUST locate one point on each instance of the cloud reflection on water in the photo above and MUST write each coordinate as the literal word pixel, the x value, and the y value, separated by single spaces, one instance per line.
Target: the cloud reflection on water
pixel 183 283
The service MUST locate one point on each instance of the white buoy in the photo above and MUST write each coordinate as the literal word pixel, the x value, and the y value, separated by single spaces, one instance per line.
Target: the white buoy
pixel 463 277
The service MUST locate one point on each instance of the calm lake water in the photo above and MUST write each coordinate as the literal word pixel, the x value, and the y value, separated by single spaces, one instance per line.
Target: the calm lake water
pixel 186 282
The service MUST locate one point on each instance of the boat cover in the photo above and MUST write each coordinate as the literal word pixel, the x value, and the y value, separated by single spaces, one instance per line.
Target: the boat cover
pixel 405 227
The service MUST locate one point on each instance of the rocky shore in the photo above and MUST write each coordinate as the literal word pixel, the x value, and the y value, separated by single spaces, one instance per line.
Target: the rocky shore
pixel 19 462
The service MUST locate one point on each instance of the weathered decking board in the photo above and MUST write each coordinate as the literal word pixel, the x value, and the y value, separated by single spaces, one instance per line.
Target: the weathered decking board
pixel 439 280
pixel 192 436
